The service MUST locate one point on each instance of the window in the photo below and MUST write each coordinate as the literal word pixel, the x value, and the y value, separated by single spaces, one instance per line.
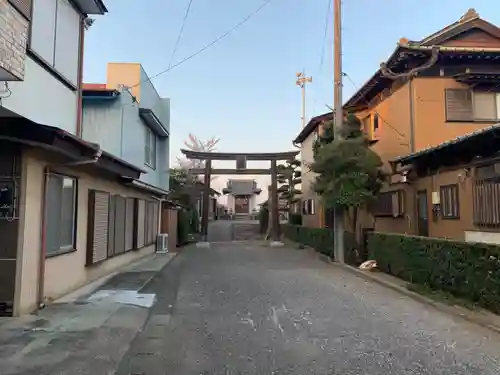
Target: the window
pixel 23 6
pixel 55 36
pixel 488 171
pixel 61 214
pixel 150 149
pixel 389 203
pixel 308 207
pixel 486 210
pixel 465 105
pixel 449 202
pixel 375 121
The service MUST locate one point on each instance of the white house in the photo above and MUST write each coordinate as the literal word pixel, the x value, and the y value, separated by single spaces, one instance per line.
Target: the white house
pixel 70 212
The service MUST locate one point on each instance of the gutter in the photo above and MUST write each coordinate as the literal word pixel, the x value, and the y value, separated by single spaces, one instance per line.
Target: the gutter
pixel 43 250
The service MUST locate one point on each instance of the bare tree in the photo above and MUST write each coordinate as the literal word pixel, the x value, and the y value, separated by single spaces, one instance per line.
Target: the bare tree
pixel 195 144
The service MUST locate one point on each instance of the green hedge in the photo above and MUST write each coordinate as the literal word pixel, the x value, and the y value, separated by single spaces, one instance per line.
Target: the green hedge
pixel 320 239
pixel 183 227
pixel 263 216
pixel 466 270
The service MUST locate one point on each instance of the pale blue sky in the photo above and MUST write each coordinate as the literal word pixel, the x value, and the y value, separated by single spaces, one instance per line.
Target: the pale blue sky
pixel 243 89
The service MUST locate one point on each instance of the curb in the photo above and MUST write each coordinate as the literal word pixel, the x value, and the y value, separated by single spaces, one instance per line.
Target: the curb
pixel 325 258
pixel 148 281
pixel 456 311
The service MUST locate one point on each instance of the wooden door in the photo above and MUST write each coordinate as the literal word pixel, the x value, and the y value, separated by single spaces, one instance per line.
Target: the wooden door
pixel 422 213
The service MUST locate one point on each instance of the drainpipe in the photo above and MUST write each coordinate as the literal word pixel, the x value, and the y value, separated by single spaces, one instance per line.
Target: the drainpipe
pixel 43 234
pixel 79 104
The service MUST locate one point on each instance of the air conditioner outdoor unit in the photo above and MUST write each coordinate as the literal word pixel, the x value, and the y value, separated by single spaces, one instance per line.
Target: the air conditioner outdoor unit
pixel 162 243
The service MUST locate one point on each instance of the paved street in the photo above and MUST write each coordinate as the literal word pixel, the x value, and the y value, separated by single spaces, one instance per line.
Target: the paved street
pixel 242 309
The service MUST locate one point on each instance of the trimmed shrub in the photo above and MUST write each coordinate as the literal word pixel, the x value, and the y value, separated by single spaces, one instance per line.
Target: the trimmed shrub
pixel 320 239
pixel 183 227
pixel 263 216
pixel 466 270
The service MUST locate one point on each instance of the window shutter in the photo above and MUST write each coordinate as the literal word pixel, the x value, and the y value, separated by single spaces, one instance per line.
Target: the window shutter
pixel 23 6
pixel 129 223
pixel 97 229
pixel 111 226
pixel 458 103
pixel 313 207
pixel 120 213
pixel 140 219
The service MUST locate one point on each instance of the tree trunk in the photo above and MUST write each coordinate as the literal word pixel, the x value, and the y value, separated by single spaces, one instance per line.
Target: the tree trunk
pixel 269 226
pixel 355 213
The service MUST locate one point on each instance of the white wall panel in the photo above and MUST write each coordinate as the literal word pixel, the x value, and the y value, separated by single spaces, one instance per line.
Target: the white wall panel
pixel 67 41
pixel 43 99
pixel 43 29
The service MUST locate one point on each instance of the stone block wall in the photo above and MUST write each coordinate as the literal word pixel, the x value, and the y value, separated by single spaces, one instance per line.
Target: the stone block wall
pixel 13 40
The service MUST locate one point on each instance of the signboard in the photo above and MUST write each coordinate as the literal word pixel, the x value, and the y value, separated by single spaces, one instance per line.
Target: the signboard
pixel 241 162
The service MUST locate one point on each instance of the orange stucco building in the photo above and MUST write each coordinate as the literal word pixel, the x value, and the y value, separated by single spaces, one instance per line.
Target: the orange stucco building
pixel 427 92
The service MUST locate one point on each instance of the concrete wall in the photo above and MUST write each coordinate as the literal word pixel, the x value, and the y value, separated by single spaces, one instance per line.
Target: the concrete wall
pixel 43 99
pixel 307 157
pixel 134 76
pixel 115 125
pixel 431 127
pixel 149 98
pixel 63 273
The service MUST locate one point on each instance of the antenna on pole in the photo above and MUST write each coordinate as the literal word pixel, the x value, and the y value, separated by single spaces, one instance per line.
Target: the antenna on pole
pixel 302 80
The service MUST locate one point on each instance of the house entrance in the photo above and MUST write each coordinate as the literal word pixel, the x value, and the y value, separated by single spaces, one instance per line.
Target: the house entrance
pixel 241 169
pixel 10 172
pixel 241 204
pixel 422 213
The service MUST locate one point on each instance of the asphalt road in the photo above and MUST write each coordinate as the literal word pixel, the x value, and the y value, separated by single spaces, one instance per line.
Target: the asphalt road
pixel 241 309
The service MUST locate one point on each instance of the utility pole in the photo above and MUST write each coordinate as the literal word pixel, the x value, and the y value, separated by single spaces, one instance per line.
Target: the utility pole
pixel 302 80
pixel 338 118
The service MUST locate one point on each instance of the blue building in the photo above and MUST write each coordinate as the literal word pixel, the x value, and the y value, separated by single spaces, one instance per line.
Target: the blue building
pixel 127 118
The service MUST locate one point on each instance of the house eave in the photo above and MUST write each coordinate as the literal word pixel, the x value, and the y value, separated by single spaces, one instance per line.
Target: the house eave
pixel 93 7
pixel 24 131
pixel 138 184
pixel 153 122
pixel 311 126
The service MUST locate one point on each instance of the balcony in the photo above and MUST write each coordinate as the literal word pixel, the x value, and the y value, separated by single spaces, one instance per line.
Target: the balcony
pixel 13 38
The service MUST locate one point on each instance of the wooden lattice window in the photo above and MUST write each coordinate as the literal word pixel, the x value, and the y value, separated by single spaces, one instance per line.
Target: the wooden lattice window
pixel 459 105
pixel 389 203
pixel 449 197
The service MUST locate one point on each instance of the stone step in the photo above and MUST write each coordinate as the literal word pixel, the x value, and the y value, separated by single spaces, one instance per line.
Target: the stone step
pixel 245 231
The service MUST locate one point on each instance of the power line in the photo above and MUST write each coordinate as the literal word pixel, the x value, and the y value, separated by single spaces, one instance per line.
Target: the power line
pixel 215 41
pixel 323 48
pixel 181 31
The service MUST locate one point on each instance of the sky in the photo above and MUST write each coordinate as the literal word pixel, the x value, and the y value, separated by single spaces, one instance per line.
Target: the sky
pixel 242 90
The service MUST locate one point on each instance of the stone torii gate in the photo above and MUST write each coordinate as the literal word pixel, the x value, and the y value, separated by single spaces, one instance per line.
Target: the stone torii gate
pixel 241 169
